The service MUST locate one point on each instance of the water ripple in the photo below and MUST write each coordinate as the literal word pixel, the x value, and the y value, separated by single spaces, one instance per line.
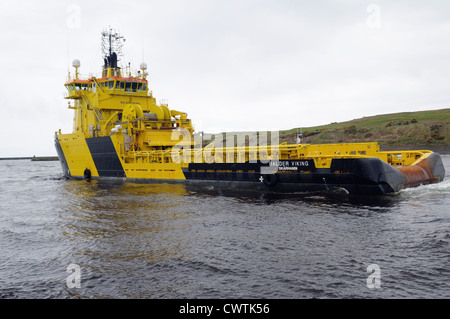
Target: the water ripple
pixel 175 241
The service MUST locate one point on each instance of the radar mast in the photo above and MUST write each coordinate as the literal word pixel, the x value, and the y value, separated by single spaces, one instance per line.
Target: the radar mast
pixel 112 43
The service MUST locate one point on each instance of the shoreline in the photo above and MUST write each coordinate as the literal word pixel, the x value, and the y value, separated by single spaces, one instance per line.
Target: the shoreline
pixel 32 158
pixel 14 158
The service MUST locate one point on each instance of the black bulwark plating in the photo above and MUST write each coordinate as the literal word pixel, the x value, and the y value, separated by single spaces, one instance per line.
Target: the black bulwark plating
pixel 105 157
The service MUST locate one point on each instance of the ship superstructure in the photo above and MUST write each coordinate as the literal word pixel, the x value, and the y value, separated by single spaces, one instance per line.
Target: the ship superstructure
pixel 120 132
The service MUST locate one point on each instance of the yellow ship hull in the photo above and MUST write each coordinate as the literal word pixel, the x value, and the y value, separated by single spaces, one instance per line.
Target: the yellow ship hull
pixel 101 158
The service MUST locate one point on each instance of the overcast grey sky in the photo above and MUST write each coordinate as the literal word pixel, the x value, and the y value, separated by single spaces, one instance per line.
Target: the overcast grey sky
pixel 231 65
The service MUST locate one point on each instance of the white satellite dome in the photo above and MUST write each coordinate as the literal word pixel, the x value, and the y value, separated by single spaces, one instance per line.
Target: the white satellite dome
pixel 144 65
pixel 76 63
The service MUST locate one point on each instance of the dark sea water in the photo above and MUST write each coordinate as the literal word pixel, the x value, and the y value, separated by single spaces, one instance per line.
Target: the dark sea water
pixel 170 241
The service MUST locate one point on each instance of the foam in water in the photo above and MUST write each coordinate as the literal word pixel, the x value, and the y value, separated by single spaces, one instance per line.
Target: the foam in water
pixel 437 188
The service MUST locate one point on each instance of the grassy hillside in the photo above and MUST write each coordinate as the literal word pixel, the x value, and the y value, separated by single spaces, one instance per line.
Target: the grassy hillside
pixel 429 129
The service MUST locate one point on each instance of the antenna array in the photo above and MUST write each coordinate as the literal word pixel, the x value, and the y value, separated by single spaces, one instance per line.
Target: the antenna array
pixel 112 42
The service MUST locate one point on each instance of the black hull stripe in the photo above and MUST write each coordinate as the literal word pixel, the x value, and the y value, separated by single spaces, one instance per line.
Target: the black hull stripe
pixel 293 181
pixel 363 175
pixel 105 157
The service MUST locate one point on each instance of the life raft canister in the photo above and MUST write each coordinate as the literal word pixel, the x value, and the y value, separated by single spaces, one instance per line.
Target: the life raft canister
pixel 87 173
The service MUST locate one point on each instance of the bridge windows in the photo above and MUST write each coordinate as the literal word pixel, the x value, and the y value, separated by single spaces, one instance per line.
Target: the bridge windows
pixel 120 85
pixel 78 86
pixel 117 85
pixel 131 86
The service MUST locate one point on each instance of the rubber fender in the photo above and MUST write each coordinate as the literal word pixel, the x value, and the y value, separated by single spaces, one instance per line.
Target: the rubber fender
pixel 87 174
pixel 270 179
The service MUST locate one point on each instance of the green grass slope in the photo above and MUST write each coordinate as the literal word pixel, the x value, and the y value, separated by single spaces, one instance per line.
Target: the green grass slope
pixel 428 129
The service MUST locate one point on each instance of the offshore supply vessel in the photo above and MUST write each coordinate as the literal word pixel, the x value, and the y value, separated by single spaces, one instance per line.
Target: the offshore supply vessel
pixel 121 133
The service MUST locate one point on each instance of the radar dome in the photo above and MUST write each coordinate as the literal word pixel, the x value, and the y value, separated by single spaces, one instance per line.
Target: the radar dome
pixel 144 65
pixel 76 63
